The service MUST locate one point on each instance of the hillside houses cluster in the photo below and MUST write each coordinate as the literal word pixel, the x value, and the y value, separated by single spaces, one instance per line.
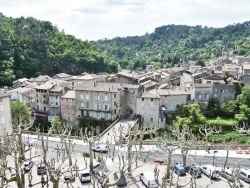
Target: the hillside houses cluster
pixel 150 94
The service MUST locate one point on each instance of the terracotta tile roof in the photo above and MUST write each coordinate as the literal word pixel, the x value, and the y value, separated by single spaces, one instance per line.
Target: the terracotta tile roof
pixel 71 94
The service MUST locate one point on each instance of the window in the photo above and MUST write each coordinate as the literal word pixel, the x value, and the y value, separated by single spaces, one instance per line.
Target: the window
pixel 56 97
pixel 151 112
pixel 114 111
pixel 3 120
pixel 199 97
pixel 36 95
pixel 87 97
pixel 142 112
pixel 106 98
pixel 44 108
pixel 87 104
pixel 114 95
pixel 51 103
pixel 106 115
pixel 98 106
pixel 43 101
pixel 151 119
pixel 152 99
pixel 81 96
pixel 207 96
pixel 142 99
pixel 98 97
pixel 142 104
pixel 98 114
pixel 115 103
pixel 106 107
pixel 43 96
pixel 151 104
pixel 81 104
pixel 215 89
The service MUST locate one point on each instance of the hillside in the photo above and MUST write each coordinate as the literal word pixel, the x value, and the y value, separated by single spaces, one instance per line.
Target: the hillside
pixel 29 47
pixel 168 45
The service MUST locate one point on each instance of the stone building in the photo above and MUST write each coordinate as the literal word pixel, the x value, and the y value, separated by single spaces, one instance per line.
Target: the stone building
pixel 106 100
pixel 5 114
pixel 148 107
pixel 68 108
pixel 201 93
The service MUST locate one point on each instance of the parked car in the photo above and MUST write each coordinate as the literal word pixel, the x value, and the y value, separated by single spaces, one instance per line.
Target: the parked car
pixel 102 148
pixel 84 175
pixel 69 174
pixel 27 165
pixel 122 182
pixel 148 179
pixel 210 171
pixel 228 174
pixel 41 168
pixel 179 169
pixel 194 171
pixel 100 177
pixel 28 144
pixel 160 160
pixel 245 175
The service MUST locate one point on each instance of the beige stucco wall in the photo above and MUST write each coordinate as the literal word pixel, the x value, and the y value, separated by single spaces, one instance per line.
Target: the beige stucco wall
pixel 5 115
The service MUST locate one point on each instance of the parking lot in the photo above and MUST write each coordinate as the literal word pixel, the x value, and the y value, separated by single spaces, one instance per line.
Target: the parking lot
pixel 113 166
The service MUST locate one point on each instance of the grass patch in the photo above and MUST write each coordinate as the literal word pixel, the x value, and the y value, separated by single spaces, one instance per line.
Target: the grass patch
pixel 228 135
pixel 222 121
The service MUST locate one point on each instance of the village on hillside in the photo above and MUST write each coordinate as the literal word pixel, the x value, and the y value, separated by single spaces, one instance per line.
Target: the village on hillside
pixel 150 94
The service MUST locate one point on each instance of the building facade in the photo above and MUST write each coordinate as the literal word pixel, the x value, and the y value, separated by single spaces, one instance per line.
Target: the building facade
pixel 5 114
pixel 68 108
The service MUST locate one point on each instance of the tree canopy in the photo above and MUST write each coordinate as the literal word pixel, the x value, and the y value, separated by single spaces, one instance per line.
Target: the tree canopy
pixel 29 47
pixel 19 112
pixel 170 45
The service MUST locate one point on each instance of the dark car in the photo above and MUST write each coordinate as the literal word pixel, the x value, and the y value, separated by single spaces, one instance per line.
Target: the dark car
pixel 195 171
pixel 100 177
pixel 122 182
pixel 179 169
pixel 41 168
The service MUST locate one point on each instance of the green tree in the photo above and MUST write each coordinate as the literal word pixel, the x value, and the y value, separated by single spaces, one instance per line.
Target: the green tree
pixel 244 115
pixel 244 97
pixel 213 107
pixel 20 112
pixel 190 114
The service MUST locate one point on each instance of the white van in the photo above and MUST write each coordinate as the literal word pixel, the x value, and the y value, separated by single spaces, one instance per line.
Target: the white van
pixel 245 175
pixel 84 176
pixel 102 148
pixel 148 179
pixel 211 171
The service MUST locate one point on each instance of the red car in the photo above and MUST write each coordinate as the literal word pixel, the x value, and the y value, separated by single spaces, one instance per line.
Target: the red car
pixel 160 160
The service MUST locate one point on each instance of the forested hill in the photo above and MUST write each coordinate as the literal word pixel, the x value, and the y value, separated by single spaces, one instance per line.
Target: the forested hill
pixel 172 44
pixel 29 47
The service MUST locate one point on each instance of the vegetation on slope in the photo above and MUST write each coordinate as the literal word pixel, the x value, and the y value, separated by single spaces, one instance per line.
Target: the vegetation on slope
pixel 29 47
pixel 171 44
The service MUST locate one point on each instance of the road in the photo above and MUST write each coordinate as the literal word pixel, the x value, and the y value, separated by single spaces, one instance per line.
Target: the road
pixel 202 160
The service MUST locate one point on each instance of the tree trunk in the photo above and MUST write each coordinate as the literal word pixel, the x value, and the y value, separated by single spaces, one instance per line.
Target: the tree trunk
pixel 170 152
pixel 68 151
pixel 91 166
pixel 225 164
pixel 56 183
pixel 129 159
pixel 206 143
pixel 184 152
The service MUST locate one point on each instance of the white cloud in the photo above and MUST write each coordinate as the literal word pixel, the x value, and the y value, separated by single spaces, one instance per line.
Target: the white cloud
pixel 97 19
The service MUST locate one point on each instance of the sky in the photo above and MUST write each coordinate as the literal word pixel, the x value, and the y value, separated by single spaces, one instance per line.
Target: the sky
pixel 100 19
